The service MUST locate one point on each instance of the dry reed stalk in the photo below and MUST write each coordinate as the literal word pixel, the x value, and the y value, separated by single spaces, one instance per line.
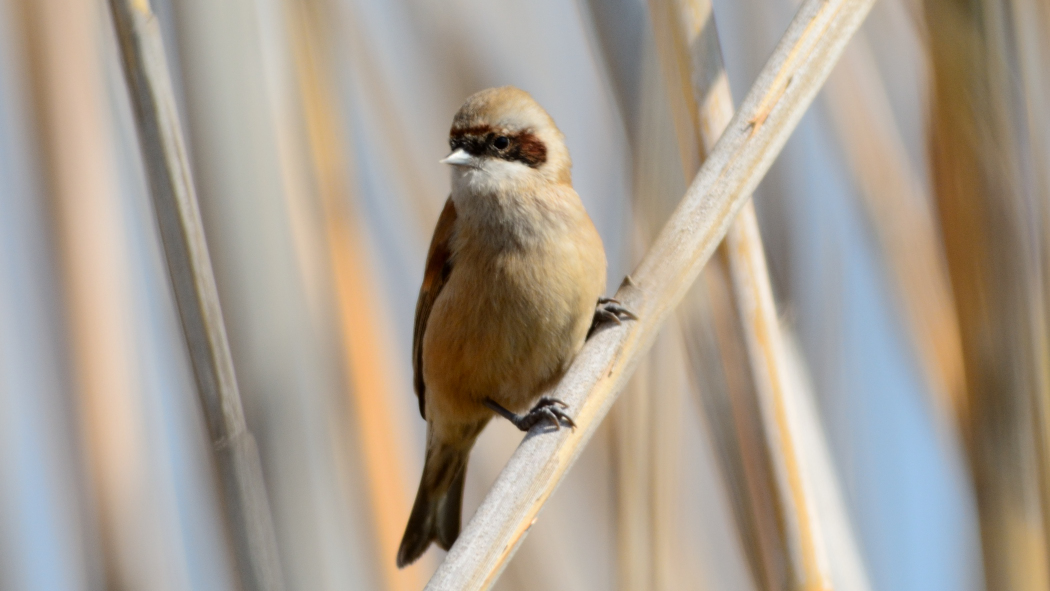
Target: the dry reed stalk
pixel 175 202
pixel 901 216
pixel 1028 32
pixel 847 568
pixel 251 160
pixel 50 498
pixel 667 378
pixel 708 329
pixel 646 424
pixel 786 86
pixel 647 450
pixel 796 484
pixel 694 71
pixel 367 361
pixel 747 464
pixel 65 50
pixel 994 248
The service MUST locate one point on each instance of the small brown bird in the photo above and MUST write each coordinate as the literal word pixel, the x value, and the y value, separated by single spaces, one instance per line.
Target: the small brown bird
pixel 513 275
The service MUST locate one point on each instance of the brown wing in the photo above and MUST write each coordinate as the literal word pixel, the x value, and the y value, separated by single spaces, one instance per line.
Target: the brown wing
pixel 439 266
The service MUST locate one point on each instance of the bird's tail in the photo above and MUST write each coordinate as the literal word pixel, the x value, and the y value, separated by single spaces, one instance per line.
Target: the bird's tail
pixel 436 512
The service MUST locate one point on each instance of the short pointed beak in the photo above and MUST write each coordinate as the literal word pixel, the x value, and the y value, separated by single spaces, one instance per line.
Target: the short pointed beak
pixel 458 158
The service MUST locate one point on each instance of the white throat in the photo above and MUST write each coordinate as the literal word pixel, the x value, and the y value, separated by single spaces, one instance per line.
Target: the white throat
pixel 503 202
pixel 491 177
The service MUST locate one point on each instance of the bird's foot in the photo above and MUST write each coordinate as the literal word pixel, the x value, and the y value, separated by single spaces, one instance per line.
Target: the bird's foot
pixel 547 409
pixel 609 310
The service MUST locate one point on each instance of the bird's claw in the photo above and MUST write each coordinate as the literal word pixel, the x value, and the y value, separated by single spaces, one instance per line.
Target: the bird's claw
pixel 609 310
pixel 550 401
pixel 546 409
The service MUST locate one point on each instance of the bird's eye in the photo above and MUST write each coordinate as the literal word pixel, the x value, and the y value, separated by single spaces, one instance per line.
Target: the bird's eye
pixel 501 142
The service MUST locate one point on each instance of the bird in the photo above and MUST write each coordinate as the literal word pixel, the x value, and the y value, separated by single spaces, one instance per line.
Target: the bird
pixel 511 290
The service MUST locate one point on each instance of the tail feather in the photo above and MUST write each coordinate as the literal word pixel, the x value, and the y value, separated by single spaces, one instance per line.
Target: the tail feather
pixel 439 501
pixel 448 517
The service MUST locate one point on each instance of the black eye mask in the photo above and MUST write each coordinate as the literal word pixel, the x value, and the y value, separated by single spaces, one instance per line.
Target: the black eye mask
pixel 522 147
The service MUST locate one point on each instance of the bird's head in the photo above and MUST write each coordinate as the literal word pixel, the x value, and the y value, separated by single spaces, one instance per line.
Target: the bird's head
pixel 502 140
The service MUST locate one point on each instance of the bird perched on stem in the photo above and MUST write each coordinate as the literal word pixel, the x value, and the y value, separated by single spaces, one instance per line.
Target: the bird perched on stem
pixel 513 277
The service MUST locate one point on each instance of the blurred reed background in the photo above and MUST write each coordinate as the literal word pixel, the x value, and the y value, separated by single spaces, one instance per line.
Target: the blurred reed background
pixel 906 233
